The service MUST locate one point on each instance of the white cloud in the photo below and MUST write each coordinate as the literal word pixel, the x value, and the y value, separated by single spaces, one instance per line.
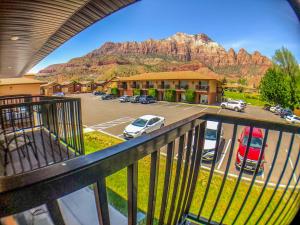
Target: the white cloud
pixel 237 44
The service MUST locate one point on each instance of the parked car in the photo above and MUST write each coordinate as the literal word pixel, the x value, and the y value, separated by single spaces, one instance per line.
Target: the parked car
pixel 107 96
pixel 146 99
pixel 59 94
pixel 267 107
pixel 234 105
pixel 124 98
pixel 98 93
pixel 278 110
pixel 286 112
pixel 211 141
pixel 254 149
pixel 135 99
pixel 273 109
pixel 142 125
pixel 293 119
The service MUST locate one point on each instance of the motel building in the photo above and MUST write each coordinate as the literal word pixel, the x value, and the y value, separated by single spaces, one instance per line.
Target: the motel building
pixel 205 84
pixel 20 86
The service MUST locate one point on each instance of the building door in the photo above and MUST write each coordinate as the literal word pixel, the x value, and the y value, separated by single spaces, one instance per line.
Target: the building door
pixel 203 99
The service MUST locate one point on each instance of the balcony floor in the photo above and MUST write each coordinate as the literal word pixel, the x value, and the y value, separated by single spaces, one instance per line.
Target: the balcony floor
pixel 51 152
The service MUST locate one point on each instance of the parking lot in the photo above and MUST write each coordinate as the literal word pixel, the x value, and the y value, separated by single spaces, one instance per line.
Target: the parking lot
pixel 111 116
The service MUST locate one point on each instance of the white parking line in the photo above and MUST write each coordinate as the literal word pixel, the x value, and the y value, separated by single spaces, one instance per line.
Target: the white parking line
pixel 294 175
pixel 112 123
pixel 223 156
pixel 189 108
pixel 219 110
pixel 202 110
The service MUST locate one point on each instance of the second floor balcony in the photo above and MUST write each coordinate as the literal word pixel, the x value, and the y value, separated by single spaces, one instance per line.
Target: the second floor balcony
pixel 38 131
pixel 204 88
pixel 180 188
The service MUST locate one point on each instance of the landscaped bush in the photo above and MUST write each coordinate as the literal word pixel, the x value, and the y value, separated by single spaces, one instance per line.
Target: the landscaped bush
pixel 190 95
pixel 114 91
pixel 136 91
pixel 170 95
pixel 152 92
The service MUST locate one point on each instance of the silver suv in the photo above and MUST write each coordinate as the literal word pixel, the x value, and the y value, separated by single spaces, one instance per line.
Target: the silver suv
pixel 237 106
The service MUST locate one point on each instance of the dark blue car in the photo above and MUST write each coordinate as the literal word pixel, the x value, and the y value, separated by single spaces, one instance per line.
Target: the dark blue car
pixel 146 99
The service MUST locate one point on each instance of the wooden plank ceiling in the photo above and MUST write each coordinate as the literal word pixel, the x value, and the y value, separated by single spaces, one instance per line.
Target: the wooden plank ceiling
pixel 31 29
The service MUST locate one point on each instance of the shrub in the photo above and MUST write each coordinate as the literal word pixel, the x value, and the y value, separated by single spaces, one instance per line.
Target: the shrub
pixel 152 92
pixel 190 95
pixel 136 91
pixel 114 91
pixel 170 95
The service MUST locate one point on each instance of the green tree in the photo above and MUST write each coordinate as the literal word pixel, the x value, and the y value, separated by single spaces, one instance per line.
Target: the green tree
pixel 136 91
pixel 190 95
pixel 170 95
pixel 275 88
pixel 152 92
pixel 285 61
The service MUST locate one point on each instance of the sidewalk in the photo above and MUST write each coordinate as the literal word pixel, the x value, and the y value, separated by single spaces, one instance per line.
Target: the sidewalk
pixel 79 208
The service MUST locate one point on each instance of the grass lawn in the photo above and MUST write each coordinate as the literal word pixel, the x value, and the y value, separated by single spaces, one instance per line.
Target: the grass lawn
pixel 117 188
pixel 253 99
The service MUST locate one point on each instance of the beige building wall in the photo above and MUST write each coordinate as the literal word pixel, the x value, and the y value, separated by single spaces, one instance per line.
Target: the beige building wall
pixel 18 89
pixel 212 86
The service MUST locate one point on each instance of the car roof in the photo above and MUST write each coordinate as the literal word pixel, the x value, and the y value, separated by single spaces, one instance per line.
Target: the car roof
pixel 212 125
pixel 257 132
pixel 148 117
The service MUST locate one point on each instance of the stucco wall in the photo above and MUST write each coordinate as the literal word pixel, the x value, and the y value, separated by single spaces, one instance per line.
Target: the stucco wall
pixel 33 89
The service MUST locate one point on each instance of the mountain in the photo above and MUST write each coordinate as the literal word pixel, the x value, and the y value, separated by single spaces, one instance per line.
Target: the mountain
pixel 176 53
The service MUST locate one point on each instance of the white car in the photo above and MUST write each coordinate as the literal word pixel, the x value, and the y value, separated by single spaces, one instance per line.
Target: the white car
pixel 293 119
pixel 274 109
pixel 211 140
pixel 234 105
pixel 143 125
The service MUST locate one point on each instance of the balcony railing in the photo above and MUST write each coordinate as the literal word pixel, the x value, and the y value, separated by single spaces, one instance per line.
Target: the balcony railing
pixel 189 191
pixel 38 131
pixel 202 88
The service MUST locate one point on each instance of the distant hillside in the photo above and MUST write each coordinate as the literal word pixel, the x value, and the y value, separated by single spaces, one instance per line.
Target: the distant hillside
pixel 179 52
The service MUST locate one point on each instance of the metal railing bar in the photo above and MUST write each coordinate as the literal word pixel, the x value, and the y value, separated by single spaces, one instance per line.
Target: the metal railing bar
pixel 41 123
pixel 132 190
pixel 167 181
pixel 193 147
pixel 101 202
pixel 254 176
pixel 31 112
pixel 268 178
pixel 242 121
pixel 14 140
pixel 279 180
pixel 292 214
pixel 55 213
pixel 154 170
pixel 285 191
pixel 26 146
pixel 65 130
pixel 212 169
pixel 58 129
pixel 183 187
pixel 177 178
pixel 240 175
pixel 50 131
pixel 226 172
pixel 197 164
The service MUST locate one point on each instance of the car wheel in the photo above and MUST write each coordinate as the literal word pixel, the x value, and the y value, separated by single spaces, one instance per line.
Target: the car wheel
pixel 161 126
pixel 236 109
pixel 223 106
pixel 143 133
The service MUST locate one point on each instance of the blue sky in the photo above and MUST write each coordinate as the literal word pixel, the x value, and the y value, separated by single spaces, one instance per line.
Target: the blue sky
pixel 263 25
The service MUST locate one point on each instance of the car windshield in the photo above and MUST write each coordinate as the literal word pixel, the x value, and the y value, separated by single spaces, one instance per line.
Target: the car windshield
pixel 139 122
pixel 210 134
pixel 255 142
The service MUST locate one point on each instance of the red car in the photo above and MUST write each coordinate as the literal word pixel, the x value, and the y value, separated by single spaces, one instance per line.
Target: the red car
pixel 254 149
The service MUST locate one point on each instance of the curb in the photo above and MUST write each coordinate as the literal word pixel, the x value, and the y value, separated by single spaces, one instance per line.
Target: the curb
pixel 190 104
